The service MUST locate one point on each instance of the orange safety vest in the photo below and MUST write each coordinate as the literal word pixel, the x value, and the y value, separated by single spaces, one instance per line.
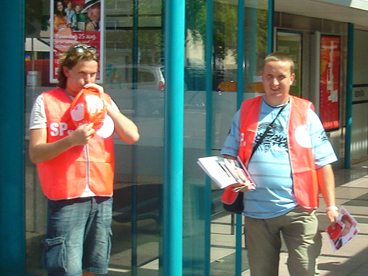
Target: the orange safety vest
pixel 305 183
pixel 67 175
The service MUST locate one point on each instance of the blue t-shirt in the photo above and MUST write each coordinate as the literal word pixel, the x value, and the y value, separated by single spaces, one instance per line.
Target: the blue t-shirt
pixel 270 165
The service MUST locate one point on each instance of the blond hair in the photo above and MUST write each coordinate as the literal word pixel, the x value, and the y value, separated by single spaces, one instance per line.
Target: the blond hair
pixel 280 56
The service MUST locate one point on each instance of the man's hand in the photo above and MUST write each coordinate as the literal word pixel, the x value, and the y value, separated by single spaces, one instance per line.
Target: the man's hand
pixel 99 88
pixel 125 128
pixel 241 187
pixel 332 217
pixel 40 150
pixel 246 187
pixel 82 134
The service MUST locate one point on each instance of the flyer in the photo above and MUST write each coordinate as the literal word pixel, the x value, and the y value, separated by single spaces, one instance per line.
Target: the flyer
pixel 345 229
pixel 224 171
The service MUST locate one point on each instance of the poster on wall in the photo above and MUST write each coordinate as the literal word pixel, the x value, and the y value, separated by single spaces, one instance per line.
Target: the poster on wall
pixel 329 82
pixel 72 22
pixel 291 43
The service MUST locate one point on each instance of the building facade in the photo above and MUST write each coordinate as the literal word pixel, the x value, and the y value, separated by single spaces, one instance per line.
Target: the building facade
pixel 179 70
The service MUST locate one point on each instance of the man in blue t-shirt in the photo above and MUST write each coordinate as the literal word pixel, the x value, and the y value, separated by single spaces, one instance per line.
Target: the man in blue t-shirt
pixel 273 208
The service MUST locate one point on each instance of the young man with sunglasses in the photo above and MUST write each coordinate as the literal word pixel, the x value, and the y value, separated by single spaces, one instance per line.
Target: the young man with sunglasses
pixel 289 167
pixel 76 167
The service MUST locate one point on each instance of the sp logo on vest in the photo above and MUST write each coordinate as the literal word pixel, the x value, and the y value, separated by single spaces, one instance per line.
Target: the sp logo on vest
pixel 59 129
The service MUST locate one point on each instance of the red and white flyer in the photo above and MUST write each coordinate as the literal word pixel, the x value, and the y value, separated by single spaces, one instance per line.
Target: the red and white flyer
pixel 345 229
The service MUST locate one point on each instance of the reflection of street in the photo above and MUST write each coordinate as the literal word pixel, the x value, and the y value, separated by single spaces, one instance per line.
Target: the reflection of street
pixel 147 248
pixel 151 130
pixel 151 126
pixel 148 239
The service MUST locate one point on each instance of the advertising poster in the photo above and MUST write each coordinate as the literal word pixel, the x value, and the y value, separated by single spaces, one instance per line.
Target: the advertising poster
pixel 330 82
pixel 75 21
pixel 291 43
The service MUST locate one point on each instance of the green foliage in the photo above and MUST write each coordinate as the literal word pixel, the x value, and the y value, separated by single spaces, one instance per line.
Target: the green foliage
pixel 225 25
pixel 35 20
pixel 195 19
pixel 262 37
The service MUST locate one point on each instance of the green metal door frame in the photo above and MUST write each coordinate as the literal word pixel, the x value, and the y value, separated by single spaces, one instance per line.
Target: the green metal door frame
pixel 349 95
pixel 12 177
pixel 173 138
pixel 270 42
pixel 209 129
pixel 240 89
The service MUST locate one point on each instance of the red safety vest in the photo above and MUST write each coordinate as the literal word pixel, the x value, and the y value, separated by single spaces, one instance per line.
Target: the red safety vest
pixel 305 183
pixel 67 175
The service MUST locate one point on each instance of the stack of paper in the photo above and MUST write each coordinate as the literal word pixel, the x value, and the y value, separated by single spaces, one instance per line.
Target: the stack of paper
pixel 224 171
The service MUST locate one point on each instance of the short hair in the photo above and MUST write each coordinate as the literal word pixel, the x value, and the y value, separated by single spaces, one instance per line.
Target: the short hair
pixel 280 56
pixel 71 57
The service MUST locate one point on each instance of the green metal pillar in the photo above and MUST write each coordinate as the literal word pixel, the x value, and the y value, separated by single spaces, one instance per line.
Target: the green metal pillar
pixel 271 8
pixel 12 219
pixel 173 146
pixel 240 90
pixel 134 255
pixel 349 95
pixel 209 131
pixel 241 43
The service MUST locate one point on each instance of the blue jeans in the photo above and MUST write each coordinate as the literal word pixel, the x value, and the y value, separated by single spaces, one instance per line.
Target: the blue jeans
pixel 78 236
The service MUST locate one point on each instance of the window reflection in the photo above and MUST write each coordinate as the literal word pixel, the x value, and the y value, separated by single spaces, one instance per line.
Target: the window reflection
pixel 134 75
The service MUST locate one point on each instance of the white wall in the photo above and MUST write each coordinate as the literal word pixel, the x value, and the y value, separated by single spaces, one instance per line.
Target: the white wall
pixel 359 135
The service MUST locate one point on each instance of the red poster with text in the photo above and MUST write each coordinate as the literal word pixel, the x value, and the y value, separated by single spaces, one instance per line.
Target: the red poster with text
pixel 75 21
pixel 330 82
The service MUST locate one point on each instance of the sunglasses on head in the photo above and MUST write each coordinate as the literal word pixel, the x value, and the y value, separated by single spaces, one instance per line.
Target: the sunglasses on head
pixel 83 48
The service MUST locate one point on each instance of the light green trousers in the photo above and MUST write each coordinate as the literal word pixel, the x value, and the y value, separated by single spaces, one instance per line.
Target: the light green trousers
pixel 299 229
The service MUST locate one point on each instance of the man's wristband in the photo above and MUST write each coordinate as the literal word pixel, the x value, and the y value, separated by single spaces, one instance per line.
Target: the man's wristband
pixel 332 208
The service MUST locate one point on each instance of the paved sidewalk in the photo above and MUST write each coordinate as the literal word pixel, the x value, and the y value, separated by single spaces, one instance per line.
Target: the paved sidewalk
pixel 351 259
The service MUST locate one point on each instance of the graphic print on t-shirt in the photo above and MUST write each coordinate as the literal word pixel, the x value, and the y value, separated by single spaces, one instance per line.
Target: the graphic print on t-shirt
pixel 276 137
